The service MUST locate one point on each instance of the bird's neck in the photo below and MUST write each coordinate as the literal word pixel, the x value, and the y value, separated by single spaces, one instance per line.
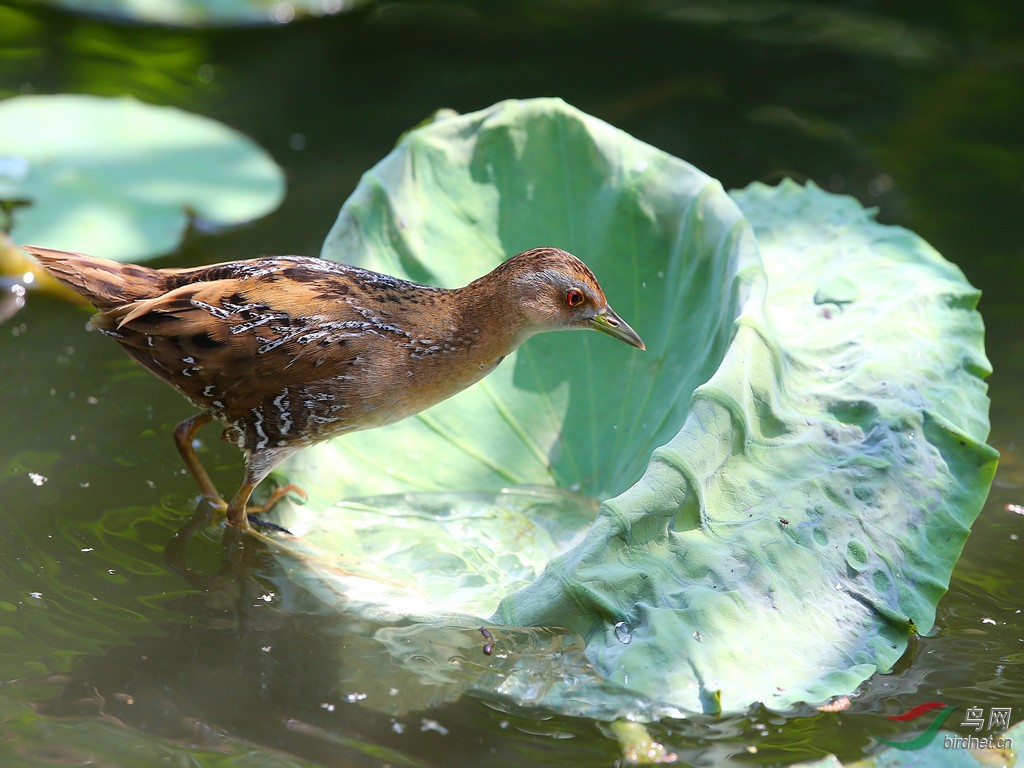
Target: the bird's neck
pixel 488 312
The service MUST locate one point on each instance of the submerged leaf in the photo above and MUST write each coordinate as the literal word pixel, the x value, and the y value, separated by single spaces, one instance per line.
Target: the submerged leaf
pixel 813 380
pixel 121 179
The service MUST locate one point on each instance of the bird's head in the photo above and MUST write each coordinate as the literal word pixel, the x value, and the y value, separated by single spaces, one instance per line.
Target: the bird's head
pixel 555 291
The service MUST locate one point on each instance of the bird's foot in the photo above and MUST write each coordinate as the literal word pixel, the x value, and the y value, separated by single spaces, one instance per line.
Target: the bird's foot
pixel 240 517
pixel 215 507
pixel 216 503
pixel 279 493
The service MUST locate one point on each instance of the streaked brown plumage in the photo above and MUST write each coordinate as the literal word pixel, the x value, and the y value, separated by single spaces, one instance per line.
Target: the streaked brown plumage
pixel 287 351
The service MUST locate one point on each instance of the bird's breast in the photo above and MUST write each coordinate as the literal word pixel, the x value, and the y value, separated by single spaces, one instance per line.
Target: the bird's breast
pixel 419 374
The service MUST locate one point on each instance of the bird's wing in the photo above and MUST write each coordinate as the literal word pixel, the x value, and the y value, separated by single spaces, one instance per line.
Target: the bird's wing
pixel 236 342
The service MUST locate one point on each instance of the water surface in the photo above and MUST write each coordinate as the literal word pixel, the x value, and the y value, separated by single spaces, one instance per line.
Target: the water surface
pixel 122 653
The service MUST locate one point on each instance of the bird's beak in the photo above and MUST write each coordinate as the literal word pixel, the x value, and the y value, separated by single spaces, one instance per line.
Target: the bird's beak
pixel 609 322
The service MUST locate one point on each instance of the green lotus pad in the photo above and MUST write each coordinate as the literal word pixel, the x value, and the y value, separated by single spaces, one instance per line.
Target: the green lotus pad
pixel 203 13
pixel 121 179
pixel 791 469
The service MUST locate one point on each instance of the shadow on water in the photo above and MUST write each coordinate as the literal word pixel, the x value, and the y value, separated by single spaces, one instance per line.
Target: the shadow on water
pixel 317 684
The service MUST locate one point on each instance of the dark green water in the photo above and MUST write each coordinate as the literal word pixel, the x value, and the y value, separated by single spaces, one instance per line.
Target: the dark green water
pixel 117 658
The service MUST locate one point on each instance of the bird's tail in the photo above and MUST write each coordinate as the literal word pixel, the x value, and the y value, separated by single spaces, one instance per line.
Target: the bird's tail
pixel 105 283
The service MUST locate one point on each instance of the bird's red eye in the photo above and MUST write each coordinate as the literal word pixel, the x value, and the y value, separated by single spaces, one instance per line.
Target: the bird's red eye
pixel 574 298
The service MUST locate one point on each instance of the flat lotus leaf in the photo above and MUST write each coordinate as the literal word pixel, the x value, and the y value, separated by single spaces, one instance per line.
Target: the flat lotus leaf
pixel 207 13
pixel 122 179
pixel 791 468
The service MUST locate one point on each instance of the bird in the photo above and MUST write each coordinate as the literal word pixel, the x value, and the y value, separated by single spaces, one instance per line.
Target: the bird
pixel 288 351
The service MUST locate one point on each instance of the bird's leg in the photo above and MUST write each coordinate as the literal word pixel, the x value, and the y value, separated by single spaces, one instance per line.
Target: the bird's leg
pixel 183 434
pixel 257 467
pixel 237 513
